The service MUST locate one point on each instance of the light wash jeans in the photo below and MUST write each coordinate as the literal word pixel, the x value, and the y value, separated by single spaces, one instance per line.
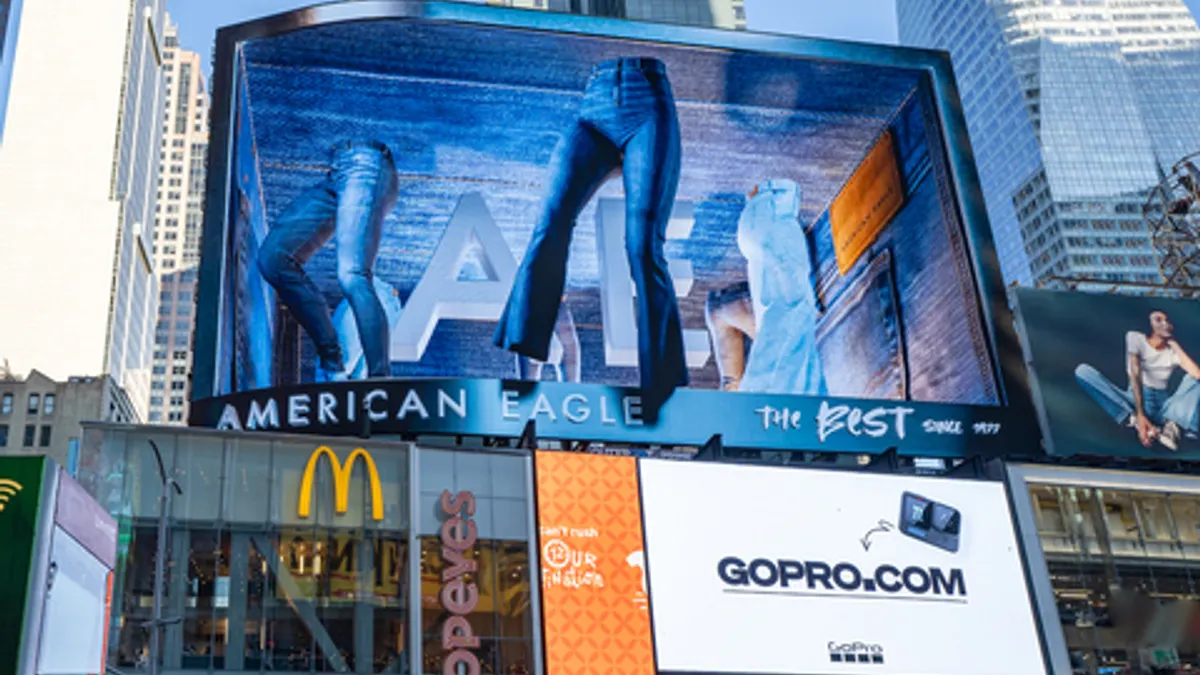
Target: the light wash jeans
pixel 784 358
pixel 349 206
pixel 1182 407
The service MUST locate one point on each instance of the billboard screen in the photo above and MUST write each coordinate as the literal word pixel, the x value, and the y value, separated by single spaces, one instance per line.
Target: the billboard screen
pixel 594 603
pixel 1113 375
pixel 20 511
pixel 833 572
pixel 591 207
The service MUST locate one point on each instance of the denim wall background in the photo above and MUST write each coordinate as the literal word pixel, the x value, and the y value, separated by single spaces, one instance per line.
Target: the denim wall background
pixel 467 109
pixel 1063 331
pixel 250 302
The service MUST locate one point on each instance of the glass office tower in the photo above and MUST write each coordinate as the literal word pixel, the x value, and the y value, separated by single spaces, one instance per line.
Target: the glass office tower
pixel 1076 110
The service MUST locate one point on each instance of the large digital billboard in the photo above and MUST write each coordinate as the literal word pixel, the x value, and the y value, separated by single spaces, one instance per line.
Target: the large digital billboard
pixel 595 609
pixel 700 568
pixel 529 215
pixel 1113 375
pixel 833 572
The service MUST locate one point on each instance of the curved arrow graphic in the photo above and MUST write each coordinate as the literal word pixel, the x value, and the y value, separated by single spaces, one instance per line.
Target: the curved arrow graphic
pixel 883 526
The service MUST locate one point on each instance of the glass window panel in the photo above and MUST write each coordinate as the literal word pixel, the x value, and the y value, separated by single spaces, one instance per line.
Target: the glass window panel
pixel 437 471
pixel 198 464
pixel 248 484
pixel 431 514
pixel 136 599
pixel 1132 583
pixel 433 615
pixel 508 476
pixel 392 464
pixel 473 472
pixel 143 483
pixel 1155 524
pixel 1120 518
pixel 516 657
pixel 484 510
pixel 1186 511
pixel 513 602
pixel 288 645
pixel 510 519
pixel 288 462
pixel 200 582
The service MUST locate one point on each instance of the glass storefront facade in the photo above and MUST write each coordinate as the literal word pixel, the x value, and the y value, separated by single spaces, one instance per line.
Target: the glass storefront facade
pixel 263 584
pixel 1122 551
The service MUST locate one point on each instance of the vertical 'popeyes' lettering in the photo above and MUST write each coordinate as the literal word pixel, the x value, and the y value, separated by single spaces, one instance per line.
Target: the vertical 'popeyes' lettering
pixel 458 597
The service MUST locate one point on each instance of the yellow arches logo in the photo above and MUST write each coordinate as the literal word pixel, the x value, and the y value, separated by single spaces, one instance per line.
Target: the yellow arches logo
pixel 341 481
pixel 8 489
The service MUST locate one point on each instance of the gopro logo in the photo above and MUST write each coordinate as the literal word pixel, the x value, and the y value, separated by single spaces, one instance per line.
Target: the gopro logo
pixel 855 652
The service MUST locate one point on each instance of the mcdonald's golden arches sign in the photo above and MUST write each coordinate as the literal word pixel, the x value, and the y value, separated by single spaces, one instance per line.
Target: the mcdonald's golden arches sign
pixel 341 481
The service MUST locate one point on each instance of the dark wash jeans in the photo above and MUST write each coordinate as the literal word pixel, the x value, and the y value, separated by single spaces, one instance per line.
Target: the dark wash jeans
pixel 627 121
pixel 349 206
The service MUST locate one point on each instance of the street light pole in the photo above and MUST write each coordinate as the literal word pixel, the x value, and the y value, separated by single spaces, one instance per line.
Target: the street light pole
pixel 169 488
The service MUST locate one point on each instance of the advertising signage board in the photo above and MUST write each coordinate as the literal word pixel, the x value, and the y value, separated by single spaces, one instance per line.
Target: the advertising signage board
pixel 1113 375
pixel 833 572
pixel 596 413
pixel 20 509
pixel 408 191
pixel 595 608
pixel 706 568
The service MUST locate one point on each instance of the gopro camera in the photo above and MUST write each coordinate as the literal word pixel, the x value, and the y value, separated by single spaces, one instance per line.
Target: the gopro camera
pixel 932 522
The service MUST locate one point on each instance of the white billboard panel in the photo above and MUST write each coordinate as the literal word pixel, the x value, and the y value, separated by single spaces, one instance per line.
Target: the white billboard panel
pixel 802 572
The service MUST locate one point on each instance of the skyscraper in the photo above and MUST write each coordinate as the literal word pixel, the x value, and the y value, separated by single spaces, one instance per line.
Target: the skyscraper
pixel 78 162
pixel 177 226
pixel 716 13
pixel 1075 111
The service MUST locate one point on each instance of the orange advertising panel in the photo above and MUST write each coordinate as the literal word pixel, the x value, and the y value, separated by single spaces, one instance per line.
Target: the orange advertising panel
pixel 593 581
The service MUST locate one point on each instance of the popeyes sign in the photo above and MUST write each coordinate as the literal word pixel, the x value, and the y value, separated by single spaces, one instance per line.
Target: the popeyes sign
pixel 458 597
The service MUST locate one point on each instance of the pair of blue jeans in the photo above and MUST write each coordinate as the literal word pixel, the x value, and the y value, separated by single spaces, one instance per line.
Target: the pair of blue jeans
pixel 348 206
pixel 784 358
pixel 1160 406
pixel 627 121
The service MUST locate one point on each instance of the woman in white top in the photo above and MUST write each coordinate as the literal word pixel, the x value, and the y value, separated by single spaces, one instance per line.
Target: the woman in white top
pixel 1146 405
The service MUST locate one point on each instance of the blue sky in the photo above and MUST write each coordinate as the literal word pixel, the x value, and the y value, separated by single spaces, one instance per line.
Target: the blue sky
pixel 861 20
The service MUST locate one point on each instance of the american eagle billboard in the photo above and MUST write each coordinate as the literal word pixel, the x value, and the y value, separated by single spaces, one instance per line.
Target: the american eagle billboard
pixel 457 218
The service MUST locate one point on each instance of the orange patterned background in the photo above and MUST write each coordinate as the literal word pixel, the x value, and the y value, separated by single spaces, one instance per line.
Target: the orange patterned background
pixel 590 533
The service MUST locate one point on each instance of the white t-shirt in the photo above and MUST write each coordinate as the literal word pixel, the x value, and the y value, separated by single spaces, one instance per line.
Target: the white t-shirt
pixel 1157 364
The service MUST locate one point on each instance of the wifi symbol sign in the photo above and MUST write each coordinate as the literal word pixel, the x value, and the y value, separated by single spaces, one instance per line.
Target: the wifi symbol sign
pixel 8 489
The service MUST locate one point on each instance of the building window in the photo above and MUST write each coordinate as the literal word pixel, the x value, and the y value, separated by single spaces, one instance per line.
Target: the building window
pixel 44 440
pixel 6 404
pixel 3 435
pixel 34 403
pixel 177 386
pixel 30 430
pixel 48 404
